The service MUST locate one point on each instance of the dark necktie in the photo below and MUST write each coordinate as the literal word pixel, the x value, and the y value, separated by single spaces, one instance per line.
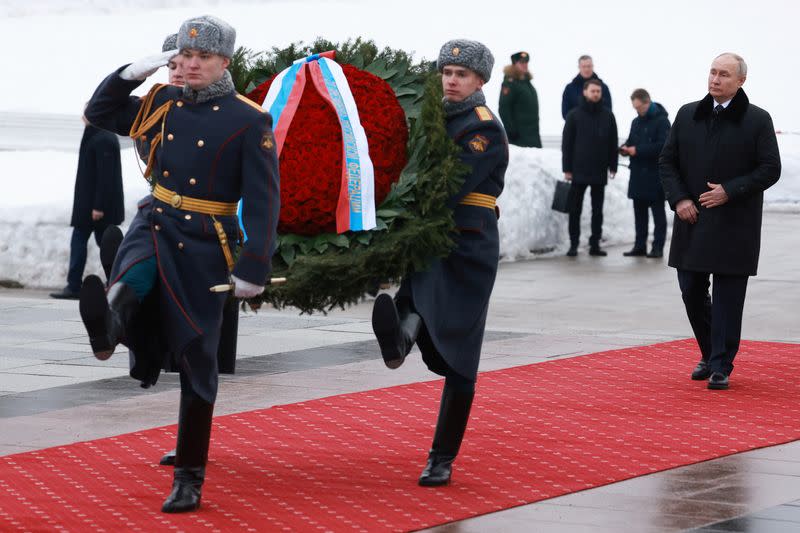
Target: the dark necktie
pixel 717 110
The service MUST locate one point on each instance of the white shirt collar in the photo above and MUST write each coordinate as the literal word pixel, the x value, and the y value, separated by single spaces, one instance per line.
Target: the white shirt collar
pixel 723 104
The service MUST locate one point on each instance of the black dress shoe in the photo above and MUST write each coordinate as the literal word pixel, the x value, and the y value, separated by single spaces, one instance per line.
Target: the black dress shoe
pixel 718 381
pixel 573 251
pixel 186 487
pixel 636 252
pixel 168 459
pixel 65 294
pixel 701 371
pixel 656 252
pixel 597 251
pixel 438 470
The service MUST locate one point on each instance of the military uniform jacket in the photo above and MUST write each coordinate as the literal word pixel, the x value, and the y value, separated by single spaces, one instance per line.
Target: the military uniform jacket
pixel 519 109
pixel 219 150
pixel 452 297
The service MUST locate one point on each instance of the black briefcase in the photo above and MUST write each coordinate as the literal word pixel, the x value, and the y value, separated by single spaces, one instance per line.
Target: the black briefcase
pixel 561 197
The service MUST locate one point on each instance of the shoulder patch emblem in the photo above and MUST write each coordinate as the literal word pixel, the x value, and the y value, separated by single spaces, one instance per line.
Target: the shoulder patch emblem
pixel 267 141
pixel 483 113
pixel 251 103
pixel 478 144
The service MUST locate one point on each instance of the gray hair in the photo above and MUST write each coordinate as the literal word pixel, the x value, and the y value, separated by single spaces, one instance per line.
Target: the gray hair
pixel 585 57
pixel 742 66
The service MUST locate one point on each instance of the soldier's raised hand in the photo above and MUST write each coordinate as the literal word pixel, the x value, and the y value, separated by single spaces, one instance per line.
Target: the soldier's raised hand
pixel 141 69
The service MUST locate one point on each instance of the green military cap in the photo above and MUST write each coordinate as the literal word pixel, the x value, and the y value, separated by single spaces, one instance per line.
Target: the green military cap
pixel 520 56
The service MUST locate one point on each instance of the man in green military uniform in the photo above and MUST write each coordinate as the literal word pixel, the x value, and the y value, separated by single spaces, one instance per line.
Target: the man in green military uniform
pixel 519 103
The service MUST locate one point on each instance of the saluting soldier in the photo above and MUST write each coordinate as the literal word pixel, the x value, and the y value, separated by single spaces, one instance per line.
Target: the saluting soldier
pixel 444 308
pixel 207 147
pixel 519 103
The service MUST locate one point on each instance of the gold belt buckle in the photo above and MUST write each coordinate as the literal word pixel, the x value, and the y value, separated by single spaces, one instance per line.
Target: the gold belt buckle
pixel 176 201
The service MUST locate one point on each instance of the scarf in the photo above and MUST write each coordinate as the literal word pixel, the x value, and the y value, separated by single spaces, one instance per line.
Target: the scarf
pixel 221 87
pixel 470 102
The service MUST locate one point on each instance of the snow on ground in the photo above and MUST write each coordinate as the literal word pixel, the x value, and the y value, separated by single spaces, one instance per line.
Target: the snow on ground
pixel 528 225
pixel 70 45
pixel 35 214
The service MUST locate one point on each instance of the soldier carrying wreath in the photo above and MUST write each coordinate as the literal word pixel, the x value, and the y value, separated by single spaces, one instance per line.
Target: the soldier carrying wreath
pixel 443 309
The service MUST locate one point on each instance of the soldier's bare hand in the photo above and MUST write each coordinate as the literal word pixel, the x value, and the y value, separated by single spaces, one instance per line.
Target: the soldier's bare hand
pixel 715 197
pixel 97 215
pixel 687 211
pixel 568 176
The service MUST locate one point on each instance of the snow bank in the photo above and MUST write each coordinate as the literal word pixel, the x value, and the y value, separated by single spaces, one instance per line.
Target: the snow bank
pixel 35 210
pixel 35 216
pixel 527 224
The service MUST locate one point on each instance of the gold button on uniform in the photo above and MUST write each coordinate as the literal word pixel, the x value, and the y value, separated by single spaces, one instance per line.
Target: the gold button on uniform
pixel 192 181
pixel 159 210
pixel 165 173
pixel 157 227
pixel 180 246
pixel 200 143
pixel 179 104
pixel 188 217
pixel 215 108
pixel 170 137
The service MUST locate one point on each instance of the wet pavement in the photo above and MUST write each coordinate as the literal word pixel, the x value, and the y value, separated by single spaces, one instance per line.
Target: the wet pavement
pixel 53 391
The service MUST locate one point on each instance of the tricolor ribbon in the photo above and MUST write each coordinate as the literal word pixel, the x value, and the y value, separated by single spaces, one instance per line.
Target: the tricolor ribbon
pixel 355 208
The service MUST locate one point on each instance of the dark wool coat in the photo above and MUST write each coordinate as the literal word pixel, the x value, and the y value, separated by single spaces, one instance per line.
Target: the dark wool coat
pixel 648 134
pixel 573 95
pixel 98 182
pixel 452 297
pixel 519 109
pixel 219 150
pixel 738 150
pixel 589 144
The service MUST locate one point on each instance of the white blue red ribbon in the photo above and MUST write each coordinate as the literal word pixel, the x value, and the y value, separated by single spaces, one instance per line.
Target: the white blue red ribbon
pixel 355 209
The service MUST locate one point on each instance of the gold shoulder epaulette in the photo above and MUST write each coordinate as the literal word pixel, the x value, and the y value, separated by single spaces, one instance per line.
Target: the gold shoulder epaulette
pixel 483 113
pixel 251 103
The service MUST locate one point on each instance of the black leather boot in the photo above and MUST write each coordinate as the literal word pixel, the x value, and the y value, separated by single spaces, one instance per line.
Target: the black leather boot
pixel 191 454
pixel 596 251
pixel 168 459
pixel 109 244
pixel 450 427
pixel 395 328
pixel 106 316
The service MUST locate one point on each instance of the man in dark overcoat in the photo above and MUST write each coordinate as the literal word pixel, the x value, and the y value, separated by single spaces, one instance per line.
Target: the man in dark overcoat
pixel 648 134
pixel 589 156
pixel 572 96
pixel 444 309
pixel 720 156
pixel 97 203
pixel 519 103
pixel 207 147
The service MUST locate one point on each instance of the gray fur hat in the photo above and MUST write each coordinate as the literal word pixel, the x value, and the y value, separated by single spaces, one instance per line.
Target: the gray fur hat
pixel 170 43
pixel 208 34
pixel 465 53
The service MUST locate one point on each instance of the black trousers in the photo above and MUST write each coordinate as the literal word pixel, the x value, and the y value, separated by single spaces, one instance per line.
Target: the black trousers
pixel 641 219
pixel 577 193
pixel 78 252
pixel 716 319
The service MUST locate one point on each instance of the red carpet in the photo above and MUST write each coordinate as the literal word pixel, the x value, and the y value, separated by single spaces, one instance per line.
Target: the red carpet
pixel 351 462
